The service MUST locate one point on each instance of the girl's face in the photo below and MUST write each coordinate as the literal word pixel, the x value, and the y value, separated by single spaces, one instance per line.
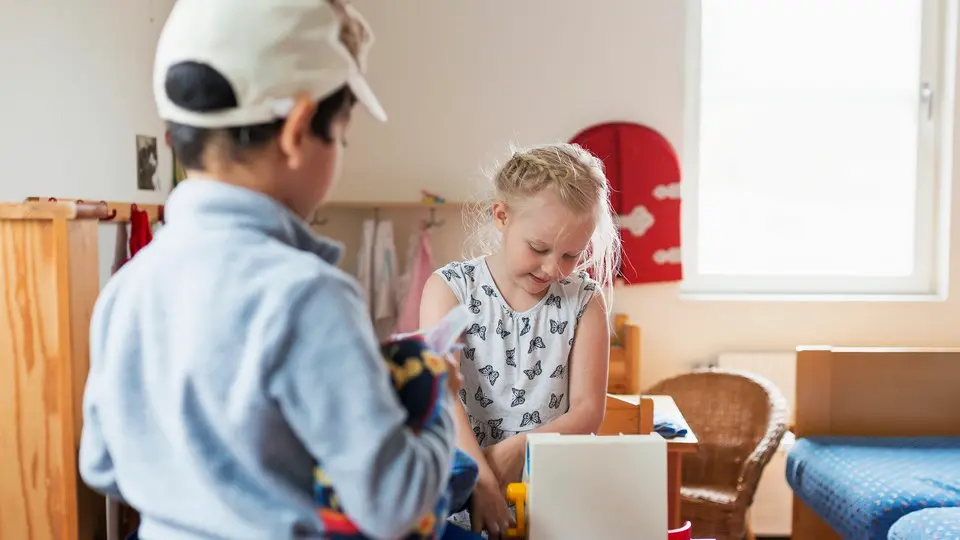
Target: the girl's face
pixel 542 241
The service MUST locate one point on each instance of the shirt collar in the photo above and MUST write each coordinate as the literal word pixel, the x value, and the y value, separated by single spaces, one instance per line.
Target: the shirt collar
pixel 210 203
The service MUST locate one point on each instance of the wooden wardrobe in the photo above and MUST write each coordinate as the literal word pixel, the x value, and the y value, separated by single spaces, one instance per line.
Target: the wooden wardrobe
pixel 49 270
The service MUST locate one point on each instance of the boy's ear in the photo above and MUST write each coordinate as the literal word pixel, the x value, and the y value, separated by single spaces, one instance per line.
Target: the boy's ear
pixel 500 214
pixel 296 130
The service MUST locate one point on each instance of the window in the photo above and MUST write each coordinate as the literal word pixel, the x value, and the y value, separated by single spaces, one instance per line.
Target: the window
pixel 812 153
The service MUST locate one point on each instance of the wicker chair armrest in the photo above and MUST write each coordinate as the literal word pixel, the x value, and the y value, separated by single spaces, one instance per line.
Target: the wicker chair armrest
pixel 753 466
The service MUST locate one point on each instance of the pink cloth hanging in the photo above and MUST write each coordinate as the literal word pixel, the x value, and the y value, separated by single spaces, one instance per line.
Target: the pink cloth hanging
pixel 420 267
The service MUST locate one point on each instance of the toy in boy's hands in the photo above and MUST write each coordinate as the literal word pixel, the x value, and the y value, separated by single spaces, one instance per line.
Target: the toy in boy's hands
pixel 421 374
pixel 445 339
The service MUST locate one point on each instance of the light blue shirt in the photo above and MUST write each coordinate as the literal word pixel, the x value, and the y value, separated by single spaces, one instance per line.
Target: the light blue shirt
pixel 226 358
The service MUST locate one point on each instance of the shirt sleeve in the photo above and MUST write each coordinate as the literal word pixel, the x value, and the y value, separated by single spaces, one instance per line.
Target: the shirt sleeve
pixel 335 391
pixel 456 278
pixel 587 289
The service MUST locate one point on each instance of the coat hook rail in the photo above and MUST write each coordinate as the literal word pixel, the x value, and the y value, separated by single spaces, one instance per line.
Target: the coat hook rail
pixel 433 221
pixel 118 211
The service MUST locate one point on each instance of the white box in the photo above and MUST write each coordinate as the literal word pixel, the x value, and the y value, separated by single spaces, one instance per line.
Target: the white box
pixel 590 486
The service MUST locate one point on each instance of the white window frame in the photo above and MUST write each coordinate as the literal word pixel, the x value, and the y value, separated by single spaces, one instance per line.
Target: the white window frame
pixel 935 174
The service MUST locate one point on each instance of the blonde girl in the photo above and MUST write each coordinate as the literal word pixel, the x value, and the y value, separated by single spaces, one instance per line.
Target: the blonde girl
pixel 536 353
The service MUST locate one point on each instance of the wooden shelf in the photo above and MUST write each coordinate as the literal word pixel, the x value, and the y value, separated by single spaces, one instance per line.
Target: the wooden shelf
pixel 389 205
pixel 103 210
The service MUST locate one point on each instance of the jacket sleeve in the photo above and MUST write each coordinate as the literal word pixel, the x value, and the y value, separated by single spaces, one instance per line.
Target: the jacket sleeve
pixel 335 391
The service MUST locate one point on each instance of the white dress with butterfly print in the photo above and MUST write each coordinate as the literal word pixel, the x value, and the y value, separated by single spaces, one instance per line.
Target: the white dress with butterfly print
pixel 514 364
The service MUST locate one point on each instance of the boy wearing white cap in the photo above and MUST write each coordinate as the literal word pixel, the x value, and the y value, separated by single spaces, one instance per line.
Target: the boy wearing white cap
pixel 230 355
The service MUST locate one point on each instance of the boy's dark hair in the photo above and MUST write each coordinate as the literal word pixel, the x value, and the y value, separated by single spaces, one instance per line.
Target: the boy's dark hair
pixel 198 87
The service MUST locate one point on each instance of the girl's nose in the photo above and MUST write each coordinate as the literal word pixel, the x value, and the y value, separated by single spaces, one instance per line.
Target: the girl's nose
pixel 552 270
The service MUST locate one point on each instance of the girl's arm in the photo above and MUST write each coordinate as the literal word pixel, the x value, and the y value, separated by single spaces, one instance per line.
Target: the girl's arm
pixel 437 300
pixel 488 508
pixel 588 367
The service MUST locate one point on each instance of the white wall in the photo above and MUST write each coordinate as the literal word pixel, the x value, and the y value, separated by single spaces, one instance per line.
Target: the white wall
pixel 75 91
pixel 461 79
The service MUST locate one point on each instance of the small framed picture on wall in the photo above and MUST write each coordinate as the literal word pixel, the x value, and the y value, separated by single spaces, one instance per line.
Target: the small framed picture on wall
pixel 148 177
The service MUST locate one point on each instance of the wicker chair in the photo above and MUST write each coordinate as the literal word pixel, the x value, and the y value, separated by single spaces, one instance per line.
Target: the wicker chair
pixel 739 419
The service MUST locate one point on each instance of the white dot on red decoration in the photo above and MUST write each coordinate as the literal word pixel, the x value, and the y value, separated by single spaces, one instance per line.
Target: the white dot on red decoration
pixel 667 256
pixel 638 221
pixel 667 191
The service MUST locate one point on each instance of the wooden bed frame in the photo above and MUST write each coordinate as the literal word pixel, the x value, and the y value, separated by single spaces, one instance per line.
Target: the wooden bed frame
pixel 872 392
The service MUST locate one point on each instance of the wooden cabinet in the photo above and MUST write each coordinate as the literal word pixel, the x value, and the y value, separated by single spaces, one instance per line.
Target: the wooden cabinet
pixel 48 266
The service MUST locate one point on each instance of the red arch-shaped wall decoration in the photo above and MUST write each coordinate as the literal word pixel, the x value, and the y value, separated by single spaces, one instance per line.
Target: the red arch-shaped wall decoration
pixel 644 174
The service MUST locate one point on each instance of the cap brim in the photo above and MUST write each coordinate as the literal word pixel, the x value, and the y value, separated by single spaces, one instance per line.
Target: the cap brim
pixel 365 96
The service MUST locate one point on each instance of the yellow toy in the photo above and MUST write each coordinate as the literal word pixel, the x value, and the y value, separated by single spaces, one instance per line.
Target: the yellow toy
pixel 517 495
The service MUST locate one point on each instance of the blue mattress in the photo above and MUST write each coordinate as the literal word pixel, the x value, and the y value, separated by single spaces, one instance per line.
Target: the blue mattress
pixel 861 486
pixel 928 524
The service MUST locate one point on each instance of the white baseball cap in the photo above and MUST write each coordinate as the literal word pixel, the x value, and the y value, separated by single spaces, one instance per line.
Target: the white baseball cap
pixel 271 52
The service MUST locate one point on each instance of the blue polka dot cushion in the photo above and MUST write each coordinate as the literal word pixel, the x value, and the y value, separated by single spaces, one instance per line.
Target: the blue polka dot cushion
pixel 419 377
pixel 861 486
pixel 928 524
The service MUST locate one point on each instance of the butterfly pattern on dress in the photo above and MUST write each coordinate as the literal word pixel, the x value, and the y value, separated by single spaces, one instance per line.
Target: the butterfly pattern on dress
pixel 463 396
pixel 554 300
pixel 536 343
pixel 526 326
pixel 511 360
pixel 557 327
pixel 491 374
pixel 530 418
pixel 534 371
pixel 488 290
pixel 475 305
pixel 478 434
pixel 500 330
pixel 451 274
pixel 477 330
pixel 495 430
pixel 555 400
pixel 483 400
pixel 470 353
pixel 557 373
pixel 519 397
pixel 468 271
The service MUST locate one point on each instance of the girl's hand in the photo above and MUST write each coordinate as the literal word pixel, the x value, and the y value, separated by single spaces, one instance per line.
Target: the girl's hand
pixel 488 508
pixel 506 460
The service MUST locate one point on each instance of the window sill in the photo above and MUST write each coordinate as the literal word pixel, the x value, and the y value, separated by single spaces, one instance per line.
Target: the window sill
pixel 693 296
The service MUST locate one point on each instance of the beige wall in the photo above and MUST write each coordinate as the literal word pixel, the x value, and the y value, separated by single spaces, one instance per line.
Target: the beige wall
pixel 75 91
pixel 462 79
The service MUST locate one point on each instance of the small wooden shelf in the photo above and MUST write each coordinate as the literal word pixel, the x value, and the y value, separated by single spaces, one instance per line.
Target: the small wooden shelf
pixel 116 211
pixel 389 205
